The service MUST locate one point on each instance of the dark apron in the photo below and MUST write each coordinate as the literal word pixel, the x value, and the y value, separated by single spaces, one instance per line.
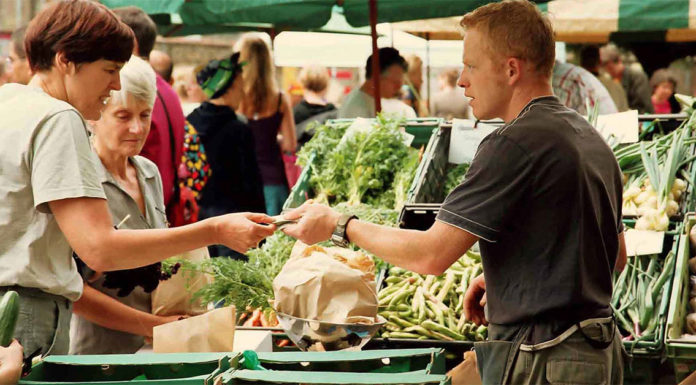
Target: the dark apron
pixel 496 359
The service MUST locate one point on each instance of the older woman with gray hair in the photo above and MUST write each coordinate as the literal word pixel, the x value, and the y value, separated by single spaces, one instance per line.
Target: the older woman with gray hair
pixel 113 317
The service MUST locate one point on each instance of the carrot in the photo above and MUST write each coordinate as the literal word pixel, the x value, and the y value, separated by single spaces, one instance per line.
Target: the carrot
pixel 283 343
pixel 255 319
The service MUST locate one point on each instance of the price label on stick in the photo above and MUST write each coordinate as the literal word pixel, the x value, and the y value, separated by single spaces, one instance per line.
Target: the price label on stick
pixel 466 138
pixel 622 125
pixel 641 242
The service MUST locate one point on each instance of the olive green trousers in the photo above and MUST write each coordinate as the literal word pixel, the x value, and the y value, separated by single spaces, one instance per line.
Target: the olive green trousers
pixel 44 321
pixel 572 361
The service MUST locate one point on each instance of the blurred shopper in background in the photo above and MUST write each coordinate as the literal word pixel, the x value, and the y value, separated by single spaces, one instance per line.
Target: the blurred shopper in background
pixel 186 86
pixel 633 79
pixel 18 69
pixel 314 107
pixel 576 88
pixel 162 63
pixel 270 118
pixel 164 144
pixel 411 90
pixel 663 84
pixel 360 103
pixel 589 60
pixel 235 184
pixel 450 102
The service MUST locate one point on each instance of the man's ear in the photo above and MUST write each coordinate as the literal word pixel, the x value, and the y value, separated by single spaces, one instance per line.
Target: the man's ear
pixel 513 69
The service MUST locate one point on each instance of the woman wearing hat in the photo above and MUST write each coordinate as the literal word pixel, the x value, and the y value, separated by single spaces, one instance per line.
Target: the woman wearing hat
pixel 235 184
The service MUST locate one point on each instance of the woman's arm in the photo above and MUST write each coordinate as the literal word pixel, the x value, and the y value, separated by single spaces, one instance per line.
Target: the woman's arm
pixel 108 312
pixel 288 141
pixel 87 224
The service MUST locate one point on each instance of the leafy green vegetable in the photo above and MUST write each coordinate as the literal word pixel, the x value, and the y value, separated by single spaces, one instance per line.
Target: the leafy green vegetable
pixel 243 284
pixel 362 166
pixel 455 176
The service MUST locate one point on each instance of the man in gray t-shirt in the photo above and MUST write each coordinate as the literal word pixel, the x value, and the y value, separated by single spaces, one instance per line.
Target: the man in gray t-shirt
pixel 543 198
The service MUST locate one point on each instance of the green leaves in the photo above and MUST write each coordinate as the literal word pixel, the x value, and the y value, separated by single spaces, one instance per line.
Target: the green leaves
pixel 361 167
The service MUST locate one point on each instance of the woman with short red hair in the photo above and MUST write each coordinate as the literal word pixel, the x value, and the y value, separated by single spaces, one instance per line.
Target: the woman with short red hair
pixel 51 197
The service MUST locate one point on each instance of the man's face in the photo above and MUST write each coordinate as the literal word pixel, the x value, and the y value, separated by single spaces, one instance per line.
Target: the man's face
pixel 483 78
pixel 19 71
pixel 615 68
pixel 391 81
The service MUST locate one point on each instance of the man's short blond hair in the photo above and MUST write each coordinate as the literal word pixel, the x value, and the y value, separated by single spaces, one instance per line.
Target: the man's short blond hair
pixel 314 78
pixel 516 28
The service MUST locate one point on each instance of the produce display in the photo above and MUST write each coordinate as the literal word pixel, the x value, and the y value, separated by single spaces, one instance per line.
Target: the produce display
pixel 365 173
pixel 430 307
pixel 690 322
pixel 371 166
pixel 653 188
pixel 455 176
pixel 639 294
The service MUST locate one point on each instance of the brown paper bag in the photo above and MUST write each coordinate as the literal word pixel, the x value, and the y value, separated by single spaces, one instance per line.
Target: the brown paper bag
pixel 466 373
pixel 173 296
pixel 319 287
pixel 209 332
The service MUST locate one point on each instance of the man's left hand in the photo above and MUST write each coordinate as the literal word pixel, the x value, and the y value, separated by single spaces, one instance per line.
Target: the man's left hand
pixel 315 223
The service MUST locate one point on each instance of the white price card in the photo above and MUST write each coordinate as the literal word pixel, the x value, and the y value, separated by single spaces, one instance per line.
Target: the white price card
pixel 466 138
pixel 641 242
pixel 622 125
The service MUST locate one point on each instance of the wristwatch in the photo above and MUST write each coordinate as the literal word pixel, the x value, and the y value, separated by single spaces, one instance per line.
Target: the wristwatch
pixel 339 237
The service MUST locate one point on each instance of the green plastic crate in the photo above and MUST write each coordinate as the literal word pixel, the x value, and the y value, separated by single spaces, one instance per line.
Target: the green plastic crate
pixel 131 369
pixel 397 366
pixel 682 352
pixel 428 184
pixel 655 348
pixel 426 361
pixel 420 128
pixel 285 377
pixel 302 190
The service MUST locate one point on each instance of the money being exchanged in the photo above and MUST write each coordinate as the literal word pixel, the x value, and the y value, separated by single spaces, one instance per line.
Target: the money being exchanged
pixel 280 222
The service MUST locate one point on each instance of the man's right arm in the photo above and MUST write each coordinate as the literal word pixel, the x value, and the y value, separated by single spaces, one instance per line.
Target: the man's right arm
pixel 621 259
pixel 87 225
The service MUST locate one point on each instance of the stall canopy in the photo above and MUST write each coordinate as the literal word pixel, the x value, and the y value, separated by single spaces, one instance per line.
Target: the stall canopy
pixel 297 14
pixel 593 21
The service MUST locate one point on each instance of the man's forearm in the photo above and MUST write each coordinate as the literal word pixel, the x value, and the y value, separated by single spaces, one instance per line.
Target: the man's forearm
pixel 425 252
pixel 403 248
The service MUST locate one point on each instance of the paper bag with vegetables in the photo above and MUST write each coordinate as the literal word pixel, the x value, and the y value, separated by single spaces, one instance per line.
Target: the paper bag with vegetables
pixel 209 332
pixel 175 295
pixel 327 284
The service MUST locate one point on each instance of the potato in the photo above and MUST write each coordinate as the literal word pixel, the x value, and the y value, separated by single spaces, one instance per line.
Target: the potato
pixel 691 323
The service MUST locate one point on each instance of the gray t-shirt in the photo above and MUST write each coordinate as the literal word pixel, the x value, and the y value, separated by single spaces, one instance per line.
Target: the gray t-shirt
pixel 87 337
pixel 544 194
pixel 361 105
pixel 45 156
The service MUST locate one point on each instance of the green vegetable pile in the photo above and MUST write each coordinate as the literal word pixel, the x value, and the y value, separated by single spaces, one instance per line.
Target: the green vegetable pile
pixel 429 307
pixel 354 166
pixel 639 294
pixel 455 176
